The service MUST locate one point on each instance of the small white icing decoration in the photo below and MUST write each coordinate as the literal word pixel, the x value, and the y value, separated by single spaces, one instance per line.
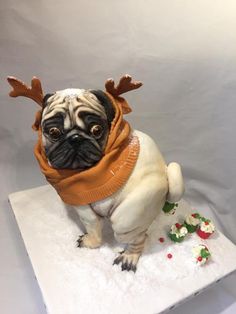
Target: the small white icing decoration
pixel 197 253
pixel 178 232
pixel 191 220
pixel 207 226
pixel 197 249
pixel 70 92
pixel 183 231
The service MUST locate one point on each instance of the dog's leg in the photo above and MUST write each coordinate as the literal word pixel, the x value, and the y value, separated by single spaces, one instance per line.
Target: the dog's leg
pixel 93 225
pixel 134 214
pixel 129 257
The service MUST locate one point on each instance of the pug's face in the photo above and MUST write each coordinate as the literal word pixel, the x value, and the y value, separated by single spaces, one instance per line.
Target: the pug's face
pixel 75 125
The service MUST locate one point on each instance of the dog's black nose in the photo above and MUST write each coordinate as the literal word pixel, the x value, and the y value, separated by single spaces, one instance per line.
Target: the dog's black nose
pixel 74 139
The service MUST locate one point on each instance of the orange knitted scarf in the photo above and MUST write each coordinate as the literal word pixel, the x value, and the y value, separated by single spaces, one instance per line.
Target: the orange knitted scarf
pixel 120 156
pixel 103 179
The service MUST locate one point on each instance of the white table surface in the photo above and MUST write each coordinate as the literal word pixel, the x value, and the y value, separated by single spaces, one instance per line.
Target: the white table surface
pixel 80 280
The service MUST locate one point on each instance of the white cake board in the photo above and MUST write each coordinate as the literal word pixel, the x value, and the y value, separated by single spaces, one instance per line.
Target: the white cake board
pixel 75 280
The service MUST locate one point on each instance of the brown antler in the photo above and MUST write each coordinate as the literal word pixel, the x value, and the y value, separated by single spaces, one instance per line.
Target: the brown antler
pixel 21 89
pixel 125 84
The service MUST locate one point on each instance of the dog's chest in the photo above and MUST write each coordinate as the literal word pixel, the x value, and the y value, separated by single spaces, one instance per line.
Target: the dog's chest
pixel 106 206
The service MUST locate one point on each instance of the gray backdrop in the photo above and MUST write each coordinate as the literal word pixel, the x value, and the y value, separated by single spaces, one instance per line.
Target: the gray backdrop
pixel 185 53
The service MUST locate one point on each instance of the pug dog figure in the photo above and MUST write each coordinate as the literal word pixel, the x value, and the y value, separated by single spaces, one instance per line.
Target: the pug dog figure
pixel 101 166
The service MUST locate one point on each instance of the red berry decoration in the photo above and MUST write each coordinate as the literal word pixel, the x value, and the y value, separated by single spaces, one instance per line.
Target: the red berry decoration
pixel 161 240
pixel 169 255
pixel 206 223
pixel 178 226
pixel 194 215
pixel 199 258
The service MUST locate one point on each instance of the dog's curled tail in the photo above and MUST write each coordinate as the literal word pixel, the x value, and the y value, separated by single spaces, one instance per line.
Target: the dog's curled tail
pixel 175 181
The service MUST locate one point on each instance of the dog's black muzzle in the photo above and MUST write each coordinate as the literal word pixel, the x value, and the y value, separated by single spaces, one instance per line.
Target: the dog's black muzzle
pixel 74 152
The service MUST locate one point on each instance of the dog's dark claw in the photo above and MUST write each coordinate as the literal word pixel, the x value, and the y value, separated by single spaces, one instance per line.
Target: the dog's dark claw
pixel 118 260
pixel 129 267
pixel 80 240
pixel 133 268
pixel 124 265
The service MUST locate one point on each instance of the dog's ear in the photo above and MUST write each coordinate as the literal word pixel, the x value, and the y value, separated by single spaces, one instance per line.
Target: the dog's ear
pixel 45 98
pixel 106 103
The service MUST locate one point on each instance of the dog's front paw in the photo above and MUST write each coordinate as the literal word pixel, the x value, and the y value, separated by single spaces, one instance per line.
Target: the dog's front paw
pixel 88 241
pixel 128 261
pixel 80 240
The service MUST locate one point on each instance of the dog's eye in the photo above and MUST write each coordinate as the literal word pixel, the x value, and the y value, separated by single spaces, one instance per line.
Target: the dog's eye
pixel 55 133
pixel 96 130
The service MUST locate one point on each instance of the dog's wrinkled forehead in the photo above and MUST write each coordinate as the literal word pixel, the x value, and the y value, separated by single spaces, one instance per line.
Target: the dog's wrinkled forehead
pixel 71 103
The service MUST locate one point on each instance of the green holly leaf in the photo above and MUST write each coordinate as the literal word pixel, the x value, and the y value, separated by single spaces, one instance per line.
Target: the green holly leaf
pixel 205 219
pixel 205 253
pixel 168 207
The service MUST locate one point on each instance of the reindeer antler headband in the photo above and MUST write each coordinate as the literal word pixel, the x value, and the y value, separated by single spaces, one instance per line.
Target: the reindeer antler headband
pixel 35 91
pixel 125 85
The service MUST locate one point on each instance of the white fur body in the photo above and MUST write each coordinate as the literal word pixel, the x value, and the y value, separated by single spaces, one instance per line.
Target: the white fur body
pixel 133 208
